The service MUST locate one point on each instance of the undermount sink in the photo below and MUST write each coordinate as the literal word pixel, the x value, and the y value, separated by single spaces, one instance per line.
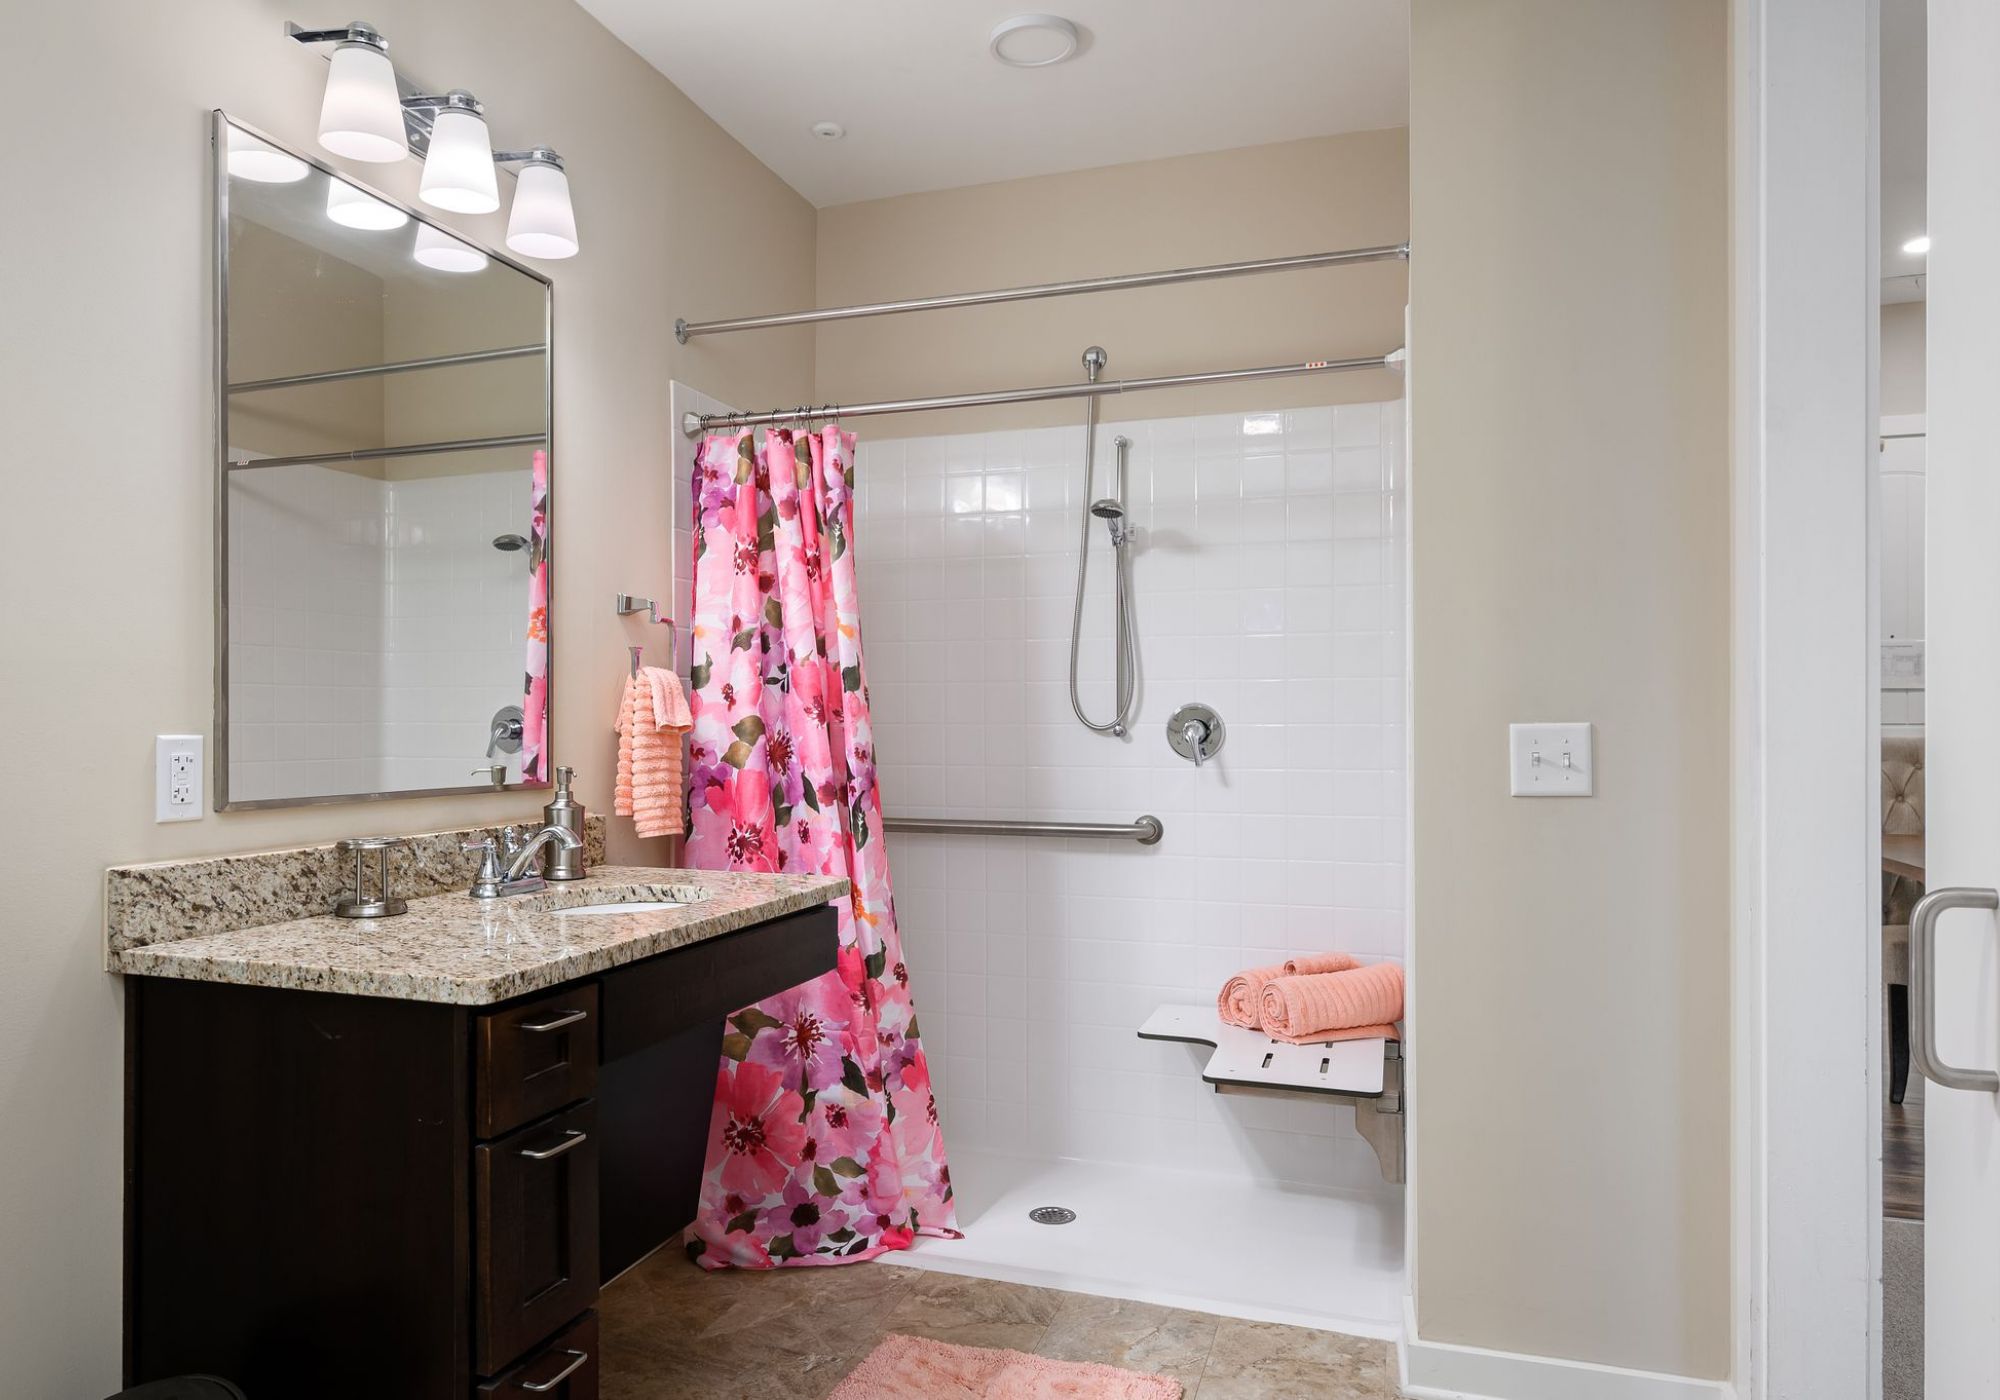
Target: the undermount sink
pixel 635 906
pixel 649 897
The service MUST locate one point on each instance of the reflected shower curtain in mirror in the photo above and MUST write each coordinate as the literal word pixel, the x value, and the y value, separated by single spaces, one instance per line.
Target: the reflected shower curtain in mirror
pixel 823 1142
pixel 535 691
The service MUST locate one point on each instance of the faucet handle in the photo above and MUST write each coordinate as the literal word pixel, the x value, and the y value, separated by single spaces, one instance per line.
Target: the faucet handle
pixel 486 883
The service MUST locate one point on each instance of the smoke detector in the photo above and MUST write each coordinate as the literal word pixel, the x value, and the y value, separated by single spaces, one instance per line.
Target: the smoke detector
pixel 1034 41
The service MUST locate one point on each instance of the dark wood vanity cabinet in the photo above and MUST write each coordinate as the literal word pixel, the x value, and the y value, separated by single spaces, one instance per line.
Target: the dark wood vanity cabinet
pixel 342 1196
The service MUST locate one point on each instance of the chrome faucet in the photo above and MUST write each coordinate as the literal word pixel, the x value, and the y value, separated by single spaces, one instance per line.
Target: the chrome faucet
pixel 493 882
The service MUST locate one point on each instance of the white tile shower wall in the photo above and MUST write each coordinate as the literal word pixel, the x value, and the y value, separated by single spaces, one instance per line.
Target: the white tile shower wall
pixel 456 628
pixel 1267 582
pixel 306 566
pixel 374 628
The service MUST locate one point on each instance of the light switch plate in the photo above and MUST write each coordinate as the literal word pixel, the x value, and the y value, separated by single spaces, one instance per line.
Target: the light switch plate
pixel 1549 760
pixel 177 770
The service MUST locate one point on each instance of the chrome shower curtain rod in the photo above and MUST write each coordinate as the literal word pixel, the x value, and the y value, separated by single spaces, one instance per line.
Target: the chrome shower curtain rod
pixel 695 423
pixel 685 330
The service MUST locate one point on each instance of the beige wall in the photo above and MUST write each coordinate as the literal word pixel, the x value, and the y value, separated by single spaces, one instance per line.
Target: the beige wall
pixel 1903 358
pixel 105 359
pixel 1570 508
pixel 1266 201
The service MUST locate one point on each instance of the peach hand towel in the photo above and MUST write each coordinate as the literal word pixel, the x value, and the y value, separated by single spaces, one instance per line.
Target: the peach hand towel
pixel 652 722
pixel 1237 1003
pixel 1361 1003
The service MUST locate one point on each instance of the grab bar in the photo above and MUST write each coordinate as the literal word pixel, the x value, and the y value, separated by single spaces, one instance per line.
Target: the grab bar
pixel 1147 831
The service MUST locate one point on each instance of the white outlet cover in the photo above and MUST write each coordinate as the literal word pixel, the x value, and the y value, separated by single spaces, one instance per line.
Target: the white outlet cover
pixel 1549 760
pixel 177 778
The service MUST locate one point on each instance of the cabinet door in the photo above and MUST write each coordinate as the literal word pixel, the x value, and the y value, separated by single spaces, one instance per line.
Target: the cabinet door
pixel 564 1369
pixel 535 1234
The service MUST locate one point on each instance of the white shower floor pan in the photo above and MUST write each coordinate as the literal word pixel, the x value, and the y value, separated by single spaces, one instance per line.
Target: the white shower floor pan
pixel 1215 1244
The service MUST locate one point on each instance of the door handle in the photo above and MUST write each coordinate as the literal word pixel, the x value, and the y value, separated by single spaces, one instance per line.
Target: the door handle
pixel 1923 982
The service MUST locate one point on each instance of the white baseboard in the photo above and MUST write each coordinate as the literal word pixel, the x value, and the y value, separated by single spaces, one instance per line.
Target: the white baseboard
pixel 1445 1371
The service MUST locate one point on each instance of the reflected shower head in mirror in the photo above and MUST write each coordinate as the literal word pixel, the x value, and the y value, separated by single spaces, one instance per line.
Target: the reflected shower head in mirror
pixel 510 543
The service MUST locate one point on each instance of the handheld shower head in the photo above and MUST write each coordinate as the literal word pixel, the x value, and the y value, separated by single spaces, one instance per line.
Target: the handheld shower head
pixel 1107 509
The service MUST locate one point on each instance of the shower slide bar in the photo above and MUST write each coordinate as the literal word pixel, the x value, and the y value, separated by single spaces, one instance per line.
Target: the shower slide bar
pixel 334 376
pixel 685 330
pixel 694 424
pixel 1147 831
pixel 376 454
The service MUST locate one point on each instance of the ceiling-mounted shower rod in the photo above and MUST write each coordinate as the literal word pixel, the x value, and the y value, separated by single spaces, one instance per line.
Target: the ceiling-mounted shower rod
pixel 693 423
pixel 686 330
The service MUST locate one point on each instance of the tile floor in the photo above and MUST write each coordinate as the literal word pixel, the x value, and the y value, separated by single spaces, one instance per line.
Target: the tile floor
pixel 673 1332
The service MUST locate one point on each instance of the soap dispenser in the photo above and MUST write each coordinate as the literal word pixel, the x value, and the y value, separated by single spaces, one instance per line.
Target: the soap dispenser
pixel 564 811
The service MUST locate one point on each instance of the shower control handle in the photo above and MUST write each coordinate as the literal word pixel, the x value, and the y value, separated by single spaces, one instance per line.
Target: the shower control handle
pixel 1196 732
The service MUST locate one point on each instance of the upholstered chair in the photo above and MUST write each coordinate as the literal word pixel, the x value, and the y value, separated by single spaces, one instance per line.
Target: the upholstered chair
pixel 1902 815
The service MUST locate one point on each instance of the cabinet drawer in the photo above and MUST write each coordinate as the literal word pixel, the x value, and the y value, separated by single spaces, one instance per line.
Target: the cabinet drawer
pixel 534 1058
pixel 534 1234
pixel 564 1369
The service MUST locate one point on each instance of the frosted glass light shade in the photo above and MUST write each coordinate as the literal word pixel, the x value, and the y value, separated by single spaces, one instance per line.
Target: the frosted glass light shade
pixel 251 159
pixel 438 250
pixel 355 208
pixel 361 116
pixel 542 224
pixel 458 168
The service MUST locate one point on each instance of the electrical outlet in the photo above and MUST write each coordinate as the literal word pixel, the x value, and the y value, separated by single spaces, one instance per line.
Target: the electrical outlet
pixel 1549 760
pixel 177 778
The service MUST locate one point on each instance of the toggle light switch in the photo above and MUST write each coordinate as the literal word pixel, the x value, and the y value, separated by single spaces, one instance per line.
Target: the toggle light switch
pixel 1549 760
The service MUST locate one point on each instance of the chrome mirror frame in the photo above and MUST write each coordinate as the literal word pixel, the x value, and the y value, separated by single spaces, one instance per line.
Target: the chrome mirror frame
pixel 220 123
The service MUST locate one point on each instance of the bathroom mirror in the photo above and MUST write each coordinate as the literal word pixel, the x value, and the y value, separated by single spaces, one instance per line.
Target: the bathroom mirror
pixel 383 422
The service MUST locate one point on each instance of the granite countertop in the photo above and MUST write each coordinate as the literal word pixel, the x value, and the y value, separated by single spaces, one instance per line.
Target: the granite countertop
pixel 455 949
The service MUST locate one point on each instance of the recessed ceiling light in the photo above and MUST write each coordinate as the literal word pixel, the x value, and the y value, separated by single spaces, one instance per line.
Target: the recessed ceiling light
pixel 829 131
pixel 1033 41
pixel 1919 245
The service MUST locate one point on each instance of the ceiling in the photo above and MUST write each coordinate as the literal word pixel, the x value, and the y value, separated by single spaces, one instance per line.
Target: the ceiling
pixel 1904 92
pixel 926 106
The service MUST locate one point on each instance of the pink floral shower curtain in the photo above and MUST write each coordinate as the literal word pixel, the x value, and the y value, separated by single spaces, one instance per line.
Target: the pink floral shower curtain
pixel 824 1143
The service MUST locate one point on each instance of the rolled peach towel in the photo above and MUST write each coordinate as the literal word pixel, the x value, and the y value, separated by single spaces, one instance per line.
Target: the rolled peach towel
pixel 1361 1003
pixel 1237 1002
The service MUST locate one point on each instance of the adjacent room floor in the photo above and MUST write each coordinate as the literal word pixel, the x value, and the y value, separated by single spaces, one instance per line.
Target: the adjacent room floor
pixel 1903 1244
pixel 674 1332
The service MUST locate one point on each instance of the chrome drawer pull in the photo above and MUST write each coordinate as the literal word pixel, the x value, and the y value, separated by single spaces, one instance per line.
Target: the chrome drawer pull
pixel 542 1387
pixel 563 1018
pixel 571 1138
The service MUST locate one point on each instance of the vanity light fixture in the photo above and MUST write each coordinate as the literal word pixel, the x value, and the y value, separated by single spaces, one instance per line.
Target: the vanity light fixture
pixel 361 116
pixel 440 252
pixel 356 208
pixel 542 223
pixel 251 159
pixel 366 116
pixel 458 167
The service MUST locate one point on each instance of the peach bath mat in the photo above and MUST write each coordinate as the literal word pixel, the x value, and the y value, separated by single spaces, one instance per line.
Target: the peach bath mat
pixel 913 1368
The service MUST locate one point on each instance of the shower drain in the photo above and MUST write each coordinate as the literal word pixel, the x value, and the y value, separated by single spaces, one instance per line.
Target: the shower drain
pixel 1052 1215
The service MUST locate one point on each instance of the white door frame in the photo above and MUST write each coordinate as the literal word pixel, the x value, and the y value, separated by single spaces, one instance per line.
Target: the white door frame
pixel 1805 772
